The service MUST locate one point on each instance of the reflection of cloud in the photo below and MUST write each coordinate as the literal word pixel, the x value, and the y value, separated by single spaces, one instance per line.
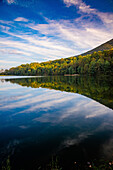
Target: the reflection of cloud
pixel 9 88
pixel 13 98
pixel 41 101
pixel 87 108
pixel 23 127
pixel 54 102
pixel 107 148
pixel 76 109
pixel 9 149
pixel 77 140
pixel 97 112
pixel 68 111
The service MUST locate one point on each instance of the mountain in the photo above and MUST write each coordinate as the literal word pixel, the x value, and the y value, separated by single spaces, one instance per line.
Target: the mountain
pixel 96 61
pixel 106 46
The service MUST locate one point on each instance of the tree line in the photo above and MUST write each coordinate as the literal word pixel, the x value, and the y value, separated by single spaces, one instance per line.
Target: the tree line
pixel 100 62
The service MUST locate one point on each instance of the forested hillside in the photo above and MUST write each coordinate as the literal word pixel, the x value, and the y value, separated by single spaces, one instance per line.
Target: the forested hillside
pixel 100 62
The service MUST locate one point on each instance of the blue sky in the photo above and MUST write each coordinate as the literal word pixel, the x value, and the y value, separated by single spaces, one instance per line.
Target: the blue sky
pixel 42 30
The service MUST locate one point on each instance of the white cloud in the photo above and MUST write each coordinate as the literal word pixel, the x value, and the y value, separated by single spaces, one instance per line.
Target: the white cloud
pixel 6 22
pixel 106 18
pixel 44 42
pixel 10 1
pixel 72 2
pixel 13 62
pixel 80 5
pixel 4 27
pixel 72 34
pixel 32 49
pixel 21 19
pixel 13 51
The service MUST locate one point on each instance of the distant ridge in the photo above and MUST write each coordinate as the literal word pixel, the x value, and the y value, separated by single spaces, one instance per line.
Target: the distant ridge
pixel 105 46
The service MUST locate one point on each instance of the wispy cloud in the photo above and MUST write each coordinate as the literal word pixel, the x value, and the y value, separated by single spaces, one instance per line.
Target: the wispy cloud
pixel 23 3
pixel 83 8
pixel 80 5
pixel 11 51
pixel 69 31
pixel 10 62
pixel 6 22
pixel 4 28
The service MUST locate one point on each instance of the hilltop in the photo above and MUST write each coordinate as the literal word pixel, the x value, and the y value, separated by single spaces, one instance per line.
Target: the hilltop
pixel 105 46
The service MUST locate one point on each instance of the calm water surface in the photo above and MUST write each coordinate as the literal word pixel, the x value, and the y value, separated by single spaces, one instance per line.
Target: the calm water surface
pixel 67 117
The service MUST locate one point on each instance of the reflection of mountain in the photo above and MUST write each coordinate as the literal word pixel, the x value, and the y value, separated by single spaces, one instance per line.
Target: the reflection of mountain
pixel 99 89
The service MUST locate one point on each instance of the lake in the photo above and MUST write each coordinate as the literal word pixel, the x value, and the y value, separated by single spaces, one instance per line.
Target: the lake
pixel 64 120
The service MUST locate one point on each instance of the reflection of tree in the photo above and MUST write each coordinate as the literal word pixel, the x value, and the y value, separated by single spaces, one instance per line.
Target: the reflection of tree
pixel 99 88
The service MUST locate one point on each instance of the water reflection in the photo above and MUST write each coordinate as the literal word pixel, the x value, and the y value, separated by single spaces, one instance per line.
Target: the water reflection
pixel 37 122
pixel 97 88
